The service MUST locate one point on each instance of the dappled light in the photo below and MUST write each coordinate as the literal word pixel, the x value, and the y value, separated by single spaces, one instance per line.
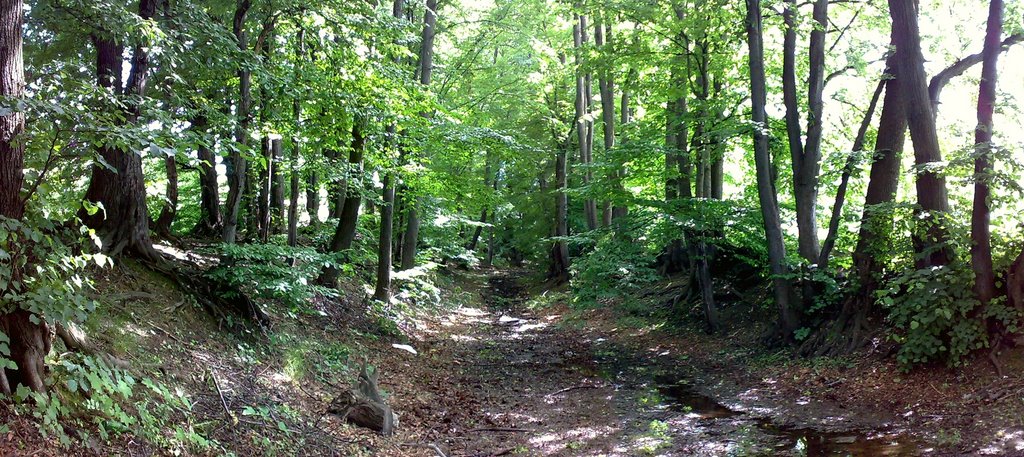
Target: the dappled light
pixel 440 228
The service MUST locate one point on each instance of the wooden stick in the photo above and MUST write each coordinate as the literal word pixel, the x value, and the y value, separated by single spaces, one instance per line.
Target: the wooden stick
pixel 568 389
pixel 223 402
pixel 500 429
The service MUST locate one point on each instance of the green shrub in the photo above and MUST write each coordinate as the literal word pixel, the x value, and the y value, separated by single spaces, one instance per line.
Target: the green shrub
pixel 264 270
pixel 934 315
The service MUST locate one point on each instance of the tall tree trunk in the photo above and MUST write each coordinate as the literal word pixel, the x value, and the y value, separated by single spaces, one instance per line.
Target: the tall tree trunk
pixel 236 167
pixel 162 225
pixel 931 185
pixel 844 181
pixel 29 335
pixel 345 234
pixel 559 270
pixel 123 224
pixel 276 186
pixel 294 178
pixel 263 219
pixel 981 248
pixel 606 87
pixel 584 126
pixel 806 158
pixel 382 291
pixel 411 236
pixel 209 192
pixel 788 320
pixel 626 114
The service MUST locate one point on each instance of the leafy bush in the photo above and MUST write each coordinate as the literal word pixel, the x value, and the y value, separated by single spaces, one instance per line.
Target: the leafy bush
pixel 934 315
pixel 616 266
pixel 264 271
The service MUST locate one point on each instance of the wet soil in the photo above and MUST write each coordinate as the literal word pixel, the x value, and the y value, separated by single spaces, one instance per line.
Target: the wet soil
pixel 541 386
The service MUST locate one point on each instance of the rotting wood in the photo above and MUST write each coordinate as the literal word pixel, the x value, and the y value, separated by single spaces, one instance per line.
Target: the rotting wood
pixel 363 405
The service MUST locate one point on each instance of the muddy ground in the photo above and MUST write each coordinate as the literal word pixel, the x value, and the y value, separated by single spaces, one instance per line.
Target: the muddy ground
pixel 537 382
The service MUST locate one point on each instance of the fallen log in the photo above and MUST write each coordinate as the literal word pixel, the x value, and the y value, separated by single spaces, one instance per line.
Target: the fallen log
pixel 363 405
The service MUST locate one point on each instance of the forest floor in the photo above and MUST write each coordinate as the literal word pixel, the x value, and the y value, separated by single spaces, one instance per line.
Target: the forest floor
pixel 506 367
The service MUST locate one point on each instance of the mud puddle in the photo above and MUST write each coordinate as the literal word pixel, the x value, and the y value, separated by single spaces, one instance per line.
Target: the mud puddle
pixel 685 398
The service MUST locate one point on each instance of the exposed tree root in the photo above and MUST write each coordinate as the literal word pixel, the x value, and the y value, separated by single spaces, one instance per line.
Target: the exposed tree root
pixel 29 343
pixel 222 300
pixel 848 333
pixel 75 340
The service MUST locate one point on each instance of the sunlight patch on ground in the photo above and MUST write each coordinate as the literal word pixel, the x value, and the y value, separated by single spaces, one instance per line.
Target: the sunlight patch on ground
pixel 1006 440
pixel 558 443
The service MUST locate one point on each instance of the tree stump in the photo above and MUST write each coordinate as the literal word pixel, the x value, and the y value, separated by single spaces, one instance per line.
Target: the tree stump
pixel 362 405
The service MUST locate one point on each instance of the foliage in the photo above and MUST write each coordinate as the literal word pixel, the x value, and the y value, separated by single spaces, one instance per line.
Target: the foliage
pixel 617 265
pixel 271 271
pixel 935 315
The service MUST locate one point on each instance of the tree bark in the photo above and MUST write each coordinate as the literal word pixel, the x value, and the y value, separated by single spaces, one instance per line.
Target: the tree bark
pixel 236 167
pixel 276 186
pixel 584 126
pixel 606 88
pixel 294 179
pixel 806 157
pixel 162 225
pixel 29 341
pixel 313 197
pixel 382 291
pixel 788 320
pixel 932 197
pixel 981 236
pixel 209 192
pixel 844 181
pixel 123 223
pixel 411 236
pixel 348 221
pixel 264 197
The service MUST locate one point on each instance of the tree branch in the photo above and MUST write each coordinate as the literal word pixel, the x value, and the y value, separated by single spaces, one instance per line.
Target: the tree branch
pixel 939 81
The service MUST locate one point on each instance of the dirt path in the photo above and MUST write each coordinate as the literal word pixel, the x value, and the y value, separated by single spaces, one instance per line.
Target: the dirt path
pixel 519 382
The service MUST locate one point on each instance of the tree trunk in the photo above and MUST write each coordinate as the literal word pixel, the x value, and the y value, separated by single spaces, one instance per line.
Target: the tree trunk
pixel 584 129
pixel 29 341
pixel 123 224
pixel 236 167
pixel 411 236
pixel 382 291
pixel 606 87
pixel 626 113
pixel 276 186
pixel 981 248
pixel 294 179
pixel 559 270
pixel 806 158
pixel 209 192
pixel 844 181
pixel 313 197
pixel 931 185
pixel 264 197
pixel 471 246
pixel 162 225
pixel 349 220
pixel 788 320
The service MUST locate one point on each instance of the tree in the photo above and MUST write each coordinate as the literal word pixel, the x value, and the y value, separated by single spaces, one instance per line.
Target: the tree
pixel 806 158
pixel 782 289
pixel 117 181
pixel 981 236
pixel 235 165
pixel 931 185
pixel 29 335
pixel 209 203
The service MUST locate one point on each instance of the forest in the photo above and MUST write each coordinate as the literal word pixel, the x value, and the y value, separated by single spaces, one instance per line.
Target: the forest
pixel 511 228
